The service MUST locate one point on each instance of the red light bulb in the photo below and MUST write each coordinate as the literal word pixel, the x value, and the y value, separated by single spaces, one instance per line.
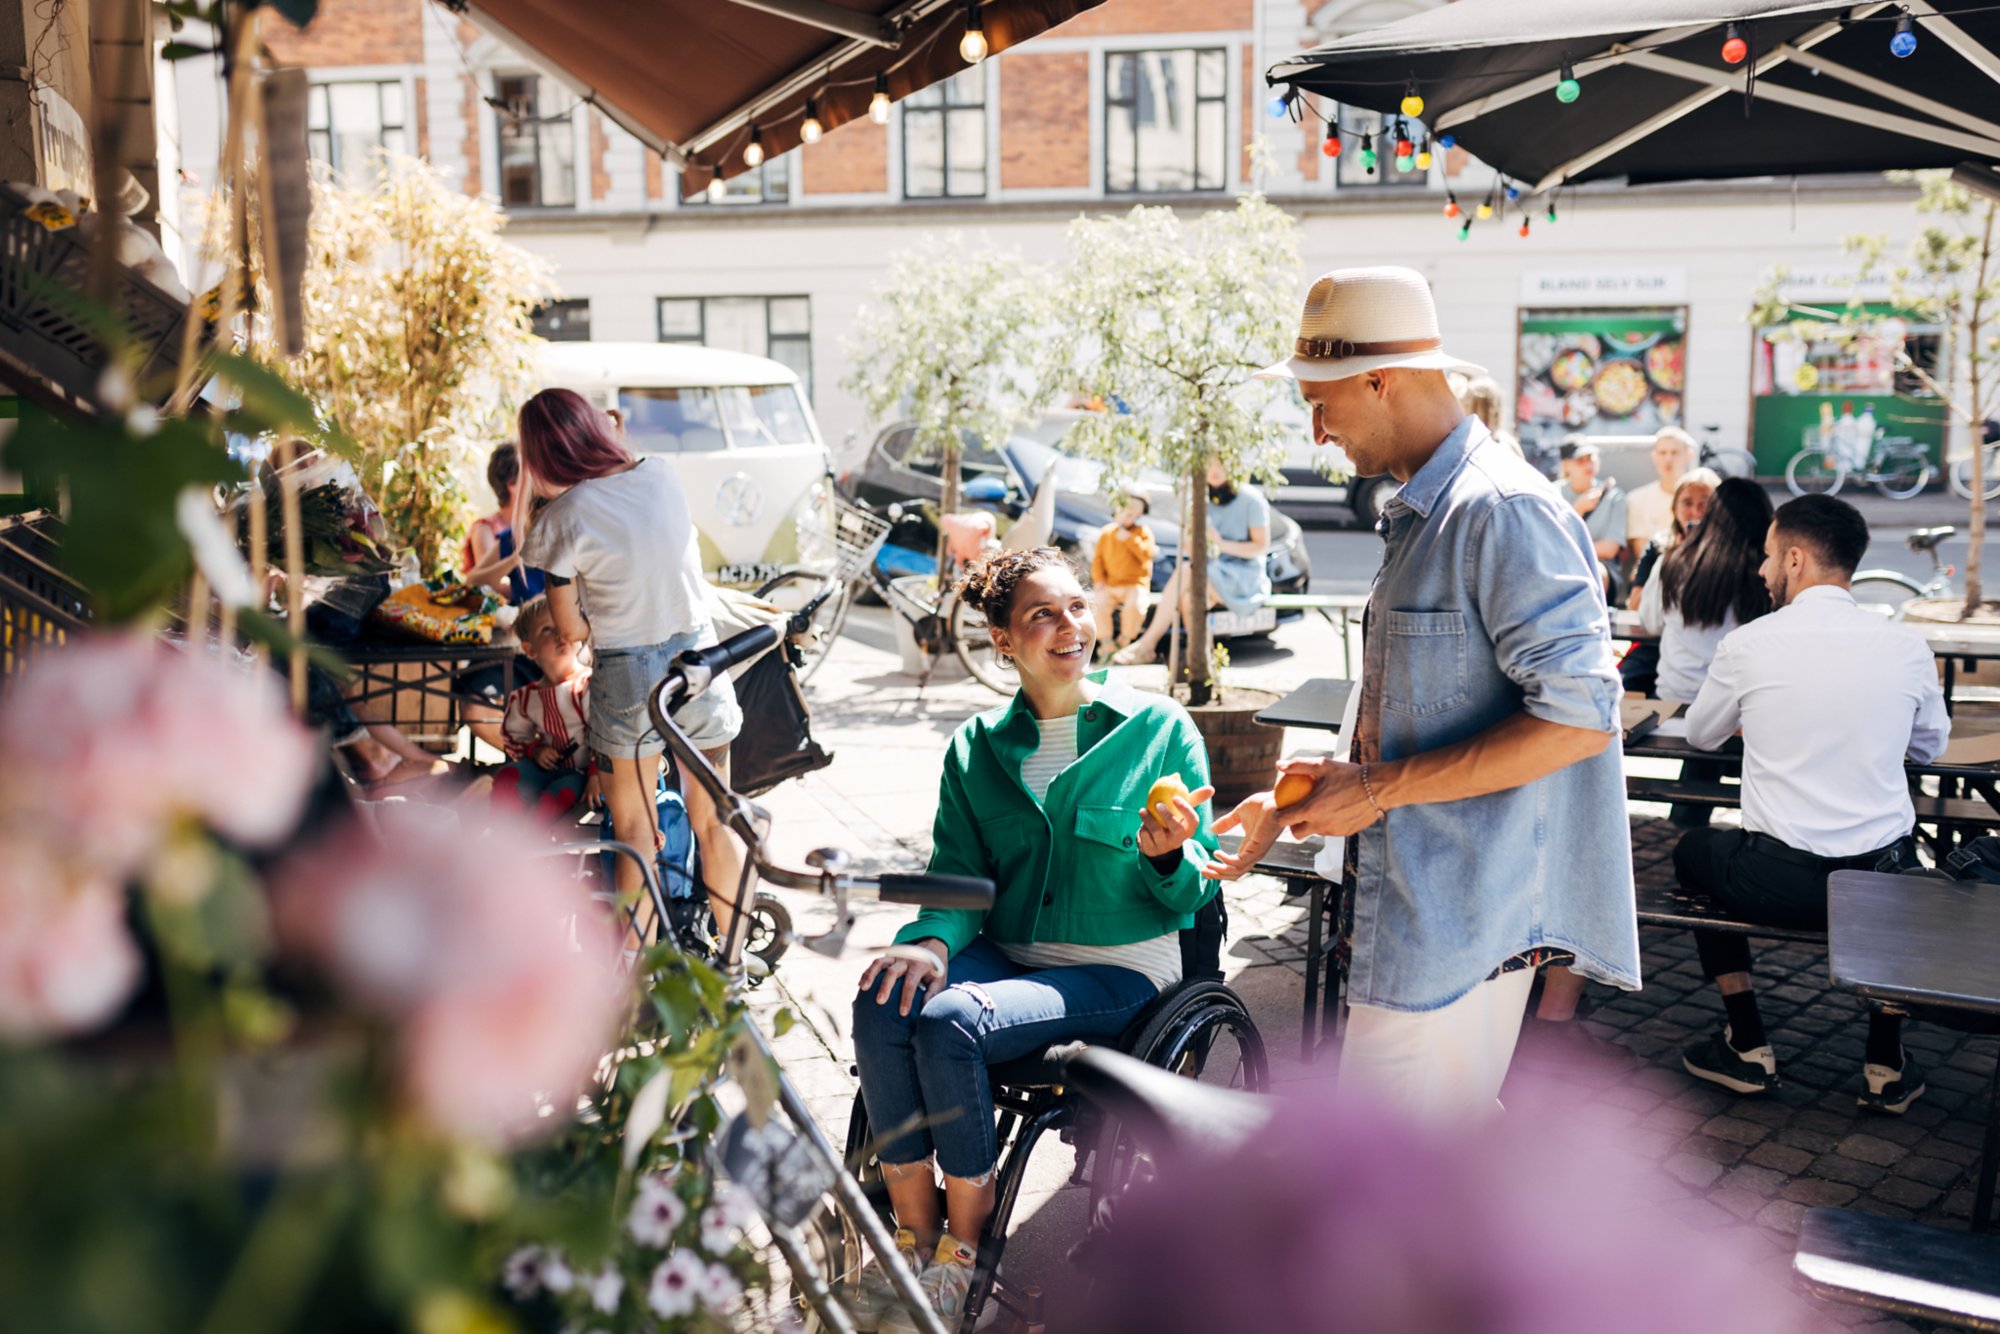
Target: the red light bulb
pixel 1451 209
pixel 1330 145
pixel 1524 227
pixel 1404 148
pixel 1734 49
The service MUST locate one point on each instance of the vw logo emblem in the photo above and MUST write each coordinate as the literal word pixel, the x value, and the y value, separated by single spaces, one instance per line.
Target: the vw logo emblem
pixel 738 500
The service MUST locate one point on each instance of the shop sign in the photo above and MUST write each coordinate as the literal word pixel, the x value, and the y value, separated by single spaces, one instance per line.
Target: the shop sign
pixel 63 143
pixel 1603 287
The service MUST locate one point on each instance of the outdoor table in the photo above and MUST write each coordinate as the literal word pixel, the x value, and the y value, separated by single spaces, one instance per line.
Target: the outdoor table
pixel 1625 626
pixel 1927 942
pixel 1320 702
pixel 1956 644
pixel 404 671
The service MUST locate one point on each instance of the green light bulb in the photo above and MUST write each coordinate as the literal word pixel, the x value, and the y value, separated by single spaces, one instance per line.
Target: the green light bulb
pixel 1568 91
pixel 1368 159
pixel 1403 164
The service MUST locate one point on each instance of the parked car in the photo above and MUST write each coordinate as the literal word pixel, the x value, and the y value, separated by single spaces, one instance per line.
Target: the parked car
pixel 895 472
pixel 737 429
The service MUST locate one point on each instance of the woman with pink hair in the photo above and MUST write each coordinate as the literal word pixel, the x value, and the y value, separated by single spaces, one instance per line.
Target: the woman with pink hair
pixel 618 548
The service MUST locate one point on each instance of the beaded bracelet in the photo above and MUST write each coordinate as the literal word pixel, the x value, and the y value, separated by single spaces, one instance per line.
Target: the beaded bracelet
pixel 1369 788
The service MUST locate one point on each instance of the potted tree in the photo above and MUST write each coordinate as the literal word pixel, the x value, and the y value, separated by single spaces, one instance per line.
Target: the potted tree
pixel 1172 318
pixel 958 341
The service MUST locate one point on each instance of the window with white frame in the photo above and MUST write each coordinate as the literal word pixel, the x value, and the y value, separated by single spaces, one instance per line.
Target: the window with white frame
pixel 770 182
pixel 537 148
pixel 565 321
pixel 1166 120
pixel 348 122
pixel 778 327
pixel 944 138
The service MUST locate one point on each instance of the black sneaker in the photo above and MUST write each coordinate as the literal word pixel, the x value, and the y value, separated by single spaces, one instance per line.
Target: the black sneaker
pixel 1889 1090
pixel 1753 1071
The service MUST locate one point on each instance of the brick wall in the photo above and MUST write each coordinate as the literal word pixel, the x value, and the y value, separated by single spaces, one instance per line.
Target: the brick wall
pixel 600 143
pixel 1120 17
pixel 352 32
pixel 853 159
pixel 471 110
pixel 423 144
pixel 656 174
pixel 1045 119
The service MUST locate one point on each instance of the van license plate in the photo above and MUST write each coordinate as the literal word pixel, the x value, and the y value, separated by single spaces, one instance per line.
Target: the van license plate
pixel 1259 622
pixel 750 573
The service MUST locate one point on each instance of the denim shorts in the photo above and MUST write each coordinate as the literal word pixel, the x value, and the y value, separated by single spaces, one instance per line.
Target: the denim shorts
pixel 622 681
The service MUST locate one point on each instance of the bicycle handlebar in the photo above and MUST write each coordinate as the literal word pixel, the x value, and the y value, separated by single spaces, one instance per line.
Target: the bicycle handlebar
pixel 937 891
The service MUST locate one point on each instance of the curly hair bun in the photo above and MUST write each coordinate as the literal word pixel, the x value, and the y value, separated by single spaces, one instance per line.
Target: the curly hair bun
pixel 989 584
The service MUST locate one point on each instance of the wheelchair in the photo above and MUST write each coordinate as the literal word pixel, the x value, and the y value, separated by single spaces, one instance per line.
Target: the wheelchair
pixel 1197 1029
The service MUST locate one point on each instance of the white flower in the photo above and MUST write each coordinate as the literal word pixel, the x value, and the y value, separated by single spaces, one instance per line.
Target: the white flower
pixel 556 1274
pixel 737 1203
pixel 522 1274
pixel 721 1292
pixel 605 1287
pixel 657 1211
pixel 718 1230
pixel 676 1285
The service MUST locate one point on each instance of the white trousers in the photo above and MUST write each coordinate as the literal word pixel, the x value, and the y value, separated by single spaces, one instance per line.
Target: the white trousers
pixel 1439 1065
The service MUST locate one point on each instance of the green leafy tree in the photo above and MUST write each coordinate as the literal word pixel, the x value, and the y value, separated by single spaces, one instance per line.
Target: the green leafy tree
pixel 960 342
pixel 1949 275
pixel 419 340
pixel 1172 318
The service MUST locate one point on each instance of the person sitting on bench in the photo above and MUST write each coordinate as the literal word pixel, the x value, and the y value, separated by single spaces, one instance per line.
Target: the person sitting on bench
pixel 1239 537
pixel 1831 699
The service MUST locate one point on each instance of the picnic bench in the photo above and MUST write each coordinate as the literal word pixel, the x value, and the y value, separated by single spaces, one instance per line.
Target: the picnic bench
pixel 1904 1268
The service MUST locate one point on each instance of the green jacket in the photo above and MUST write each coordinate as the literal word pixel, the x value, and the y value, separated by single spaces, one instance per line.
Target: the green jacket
pixel 1067 869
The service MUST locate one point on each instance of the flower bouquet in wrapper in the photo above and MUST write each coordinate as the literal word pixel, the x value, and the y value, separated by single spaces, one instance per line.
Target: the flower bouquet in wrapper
pixel 439 611
pixel 342 529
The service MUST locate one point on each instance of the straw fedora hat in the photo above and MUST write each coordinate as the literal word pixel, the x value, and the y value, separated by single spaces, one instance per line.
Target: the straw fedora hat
pixel 1361 320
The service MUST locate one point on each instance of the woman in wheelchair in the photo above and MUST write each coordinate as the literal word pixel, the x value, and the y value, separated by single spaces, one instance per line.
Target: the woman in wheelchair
pixel 1047 798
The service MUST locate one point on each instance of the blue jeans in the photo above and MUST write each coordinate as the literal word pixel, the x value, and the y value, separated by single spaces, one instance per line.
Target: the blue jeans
pixel 930 1064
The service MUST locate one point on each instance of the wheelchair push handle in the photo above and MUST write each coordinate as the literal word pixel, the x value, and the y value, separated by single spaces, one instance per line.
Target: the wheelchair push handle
pixel 937 891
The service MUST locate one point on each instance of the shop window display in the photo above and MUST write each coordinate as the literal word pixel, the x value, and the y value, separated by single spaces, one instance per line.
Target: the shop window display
pixel 1598 372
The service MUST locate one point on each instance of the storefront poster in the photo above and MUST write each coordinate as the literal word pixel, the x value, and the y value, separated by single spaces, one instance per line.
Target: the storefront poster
pixel 1599 372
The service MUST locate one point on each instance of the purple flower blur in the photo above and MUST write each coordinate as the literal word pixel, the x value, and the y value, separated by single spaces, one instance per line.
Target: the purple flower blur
pixel 1341 1218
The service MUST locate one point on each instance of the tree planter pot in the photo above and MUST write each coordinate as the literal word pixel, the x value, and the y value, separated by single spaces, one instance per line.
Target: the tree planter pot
pixel 1242 752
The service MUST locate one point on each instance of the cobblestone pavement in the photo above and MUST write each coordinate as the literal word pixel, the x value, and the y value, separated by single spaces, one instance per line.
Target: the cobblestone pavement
pixel 1747 1168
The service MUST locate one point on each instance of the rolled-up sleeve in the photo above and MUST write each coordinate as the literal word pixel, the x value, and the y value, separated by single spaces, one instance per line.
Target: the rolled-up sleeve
pixel 1543 607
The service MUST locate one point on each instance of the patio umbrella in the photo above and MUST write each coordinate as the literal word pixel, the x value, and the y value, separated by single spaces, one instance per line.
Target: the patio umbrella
pixel 1554 92
pixel 690 78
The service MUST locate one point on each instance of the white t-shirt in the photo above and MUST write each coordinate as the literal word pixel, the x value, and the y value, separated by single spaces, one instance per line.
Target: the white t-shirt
pixel 1685 650
pixel 1158 959
pixel 629 543
pixel 1648 512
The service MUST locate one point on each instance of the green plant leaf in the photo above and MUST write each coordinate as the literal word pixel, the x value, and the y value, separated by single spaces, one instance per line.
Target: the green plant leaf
pixel 183 50
pixel 300 12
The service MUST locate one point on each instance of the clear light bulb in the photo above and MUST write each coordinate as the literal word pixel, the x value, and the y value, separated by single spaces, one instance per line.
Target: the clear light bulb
pixel 716 190
pixel 810 129
pixel 753 152
pixel 972 46
pixel 878 108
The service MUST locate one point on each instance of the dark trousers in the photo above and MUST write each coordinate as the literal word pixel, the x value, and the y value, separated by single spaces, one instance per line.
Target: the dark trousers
pixel 1758 879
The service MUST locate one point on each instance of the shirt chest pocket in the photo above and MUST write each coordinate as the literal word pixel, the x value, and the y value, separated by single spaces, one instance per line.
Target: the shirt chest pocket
pixel 1424 668
pixel 1109 831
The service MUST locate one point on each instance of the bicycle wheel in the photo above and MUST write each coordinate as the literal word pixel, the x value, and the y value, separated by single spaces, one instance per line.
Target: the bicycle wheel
pixel 1884 592
pixel 1961 475
pixel 1731 462
pixel 793 590
pixel 1815 472
pixel 1903 474
pixel 974 646
pixel 769 934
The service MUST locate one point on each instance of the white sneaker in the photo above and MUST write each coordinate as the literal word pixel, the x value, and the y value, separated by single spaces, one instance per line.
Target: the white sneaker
pixel 945 1281
pixel 873 1294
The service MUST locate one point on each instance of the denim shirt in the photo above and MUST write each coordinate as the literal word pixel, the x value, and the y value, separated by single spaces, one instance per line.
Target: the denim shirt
pixel 1488 604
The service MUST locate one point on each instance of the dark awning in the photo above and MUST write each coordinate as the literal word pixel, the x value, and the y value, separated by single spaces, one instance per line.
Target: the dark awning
pixel 689 77
pixel 1657 99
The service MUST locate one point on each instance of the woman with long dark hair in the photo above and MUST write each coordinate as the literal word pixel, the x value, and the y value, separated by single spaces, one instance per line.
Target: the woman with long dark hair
pixel 1707 585
pixel 618 548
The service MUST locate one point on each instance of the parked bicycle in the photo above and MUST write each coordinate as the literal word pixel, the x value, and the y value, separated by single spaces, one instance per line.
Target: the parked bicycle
pixel 1897 467
pixel 820 598
pixel 1722 460
pixel 1960 476
pixel 1887 591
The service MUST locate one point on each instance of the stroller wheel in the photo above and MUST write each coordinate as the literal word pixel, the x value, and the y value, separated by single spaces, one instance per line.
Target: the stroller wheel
pixel 770 931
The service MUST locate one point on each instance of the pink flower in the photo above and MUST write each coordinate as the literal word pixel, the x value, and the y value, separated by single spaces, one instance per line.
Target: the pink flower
pixel 721 1290
pixel 605 1287
pixel 718 1230
pixel 497 972
pixel 111 741
pixel 677 1285
pixel 67 963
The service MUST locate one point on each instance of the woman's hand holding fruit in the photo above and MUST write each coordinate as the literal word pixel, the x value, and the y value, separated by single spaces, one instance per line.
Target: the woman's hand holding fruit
pixel 1171 818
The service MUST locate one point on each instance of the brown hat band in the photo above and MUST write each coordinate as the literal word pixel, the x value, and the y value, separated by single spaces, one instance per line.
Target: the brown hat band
pixel 1342 349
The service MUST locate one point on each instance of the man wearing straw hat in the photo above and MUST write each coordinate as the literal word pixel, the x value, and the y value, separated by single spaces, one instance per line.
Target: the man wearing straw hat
pixel 1484 791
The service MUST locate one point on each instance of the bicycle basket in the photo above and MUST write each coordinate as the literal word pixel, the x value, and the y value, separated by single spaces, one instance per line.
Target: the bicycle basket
pixel 845 548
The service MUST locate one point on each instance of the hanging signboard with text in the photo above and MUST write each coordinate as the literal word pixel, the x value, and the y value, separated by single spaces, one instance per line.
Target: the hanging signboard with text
pixel 1603 287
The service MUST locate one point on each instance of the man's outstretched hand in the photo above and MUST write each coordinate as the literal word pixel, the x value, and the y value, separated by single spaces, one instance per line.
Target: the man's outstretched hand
pixel 1338 805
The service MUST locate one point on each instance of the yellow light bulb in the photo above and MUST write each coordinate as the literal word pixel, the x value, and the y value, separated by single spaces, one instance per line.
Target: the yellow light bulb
pixel 878 108
pixel 972 46
pixel 1485 211
pixel 1424 161
pixel 1413 106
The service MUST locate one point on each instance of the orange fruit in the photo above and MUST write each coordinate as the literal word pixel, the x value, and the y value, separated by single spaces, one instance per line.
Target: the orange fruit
pixel 1163 792
pixel 1292 789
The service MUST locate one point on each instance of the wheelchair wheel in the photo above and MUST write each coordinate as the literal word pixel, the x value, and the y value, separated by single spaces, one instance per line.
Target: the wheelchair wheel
pixel 792 590
pixel 831 1238
pixel 1206 1034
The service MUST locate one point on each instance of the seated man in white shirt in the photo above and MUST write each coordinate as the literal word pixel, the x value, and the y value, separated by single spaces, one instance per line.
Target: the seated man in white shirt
pixel 1831 700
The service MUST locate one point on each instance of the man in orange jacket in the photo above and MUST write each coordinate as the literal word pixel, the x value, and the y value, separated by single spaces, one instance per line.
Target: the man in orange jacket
pixel 1121 573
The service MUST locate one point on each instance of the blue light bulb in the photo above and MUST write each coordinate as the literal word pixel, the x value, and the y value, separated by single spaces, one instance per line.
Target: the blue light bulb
pixel 1513 192
pixel 1904 43
pixel 1447 141
pixel 1279 105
